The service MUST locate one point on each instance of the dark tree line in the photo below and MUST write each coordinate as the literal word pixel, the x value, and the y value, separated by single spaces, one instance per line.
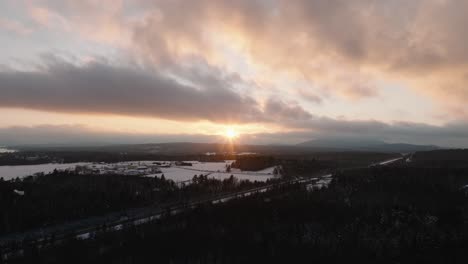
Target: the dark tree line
pixel 64 196
pixel 41 157
pixel 449 158
pixel 372 215
pixel 253 162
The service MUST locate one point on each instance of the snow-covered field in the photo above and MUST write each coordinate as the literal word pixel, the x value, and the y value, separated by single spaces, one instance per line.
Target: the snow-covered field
pixel 215 170
pixel 11 172
pixel 5 150
pixel 176 173
pixel 179 174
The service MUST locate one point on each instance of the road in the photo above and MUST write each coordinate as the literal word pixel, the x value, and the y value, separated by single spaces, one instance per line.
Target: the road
pixel 86 228
pixel 386 162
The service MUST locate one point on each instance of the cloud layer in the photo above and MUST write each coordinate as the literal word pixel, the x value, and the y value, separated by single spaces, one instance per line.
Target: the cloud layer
pixel 215 60
pixel 99 87
pixel 345 47
pixel 452 135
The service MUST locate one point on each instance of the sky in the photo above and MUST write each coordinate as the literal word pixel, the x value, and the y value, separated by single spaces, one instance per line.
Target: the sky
pixel 273 71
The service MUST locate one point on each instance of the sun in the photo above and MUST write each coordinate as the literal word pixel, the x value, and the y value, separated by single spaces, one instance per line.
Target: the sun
pixel 230 133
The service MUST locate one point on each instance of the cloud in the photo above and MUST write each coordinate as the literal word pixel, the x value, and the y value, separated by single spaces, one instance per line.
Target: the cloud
pixel 99 21
pixel 346 47
pixel 342 48
pixel 180 93
pixel 14 26
pixel 280 112
pixel 47 18
pixel 451 135
pixel 309 96
pixel 174 92
pixel 100 87
pixel 268 32
pixel 82 135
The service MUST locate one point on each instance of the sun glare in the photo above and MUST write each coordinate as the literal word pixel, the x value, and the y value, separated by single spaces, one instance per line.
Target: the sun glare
pixel 230 133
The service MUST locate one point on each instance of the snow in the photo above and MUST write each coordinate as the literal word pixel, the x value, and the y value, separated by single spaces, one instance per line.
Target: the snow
pixel 319 183
pixel 186 173
pixel 210 166
pixel 176 174
pixel 215 170
pixel 11 172
pixel 18 192
pixel 6 150
pixel 83 236
pixel 389 161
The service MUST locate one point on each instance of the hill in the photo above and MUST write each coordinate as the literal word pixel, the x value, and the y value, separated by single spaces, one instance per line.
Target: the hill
pixel 364 145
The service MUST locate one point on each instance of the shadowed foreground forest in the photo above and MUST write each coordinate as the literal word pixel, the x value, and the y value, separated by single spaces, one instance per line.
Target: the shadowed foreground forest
pixel 393 214
pixel 64 196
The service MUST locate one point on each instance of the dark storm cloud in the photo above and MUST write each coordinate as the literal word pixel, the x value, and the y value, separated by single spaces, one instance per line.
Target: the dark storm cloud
pixel 82 135
pixel 99 87
pixel 451 135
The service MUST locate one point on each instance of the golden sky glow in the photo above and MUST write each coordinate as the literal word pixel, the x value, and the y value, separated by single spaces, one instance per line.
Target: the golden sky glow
pixel 124 124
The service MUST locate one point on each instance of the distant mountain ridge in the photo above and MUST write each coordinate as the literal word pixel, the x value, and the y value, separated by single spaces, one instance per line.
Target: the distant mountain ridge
pixel 311 146
pixel 365 145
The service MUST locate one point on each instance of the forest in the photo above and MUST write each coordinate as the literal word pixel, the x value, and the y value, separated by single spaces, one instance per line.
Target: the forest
pixel 387 214
pixel 63 196
pixel 41 157
pixel 75 155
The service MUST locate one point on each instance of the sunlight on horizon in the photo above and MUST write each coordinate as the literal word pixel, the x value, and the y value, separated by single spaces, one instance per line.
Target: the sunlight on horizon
pixel 231 133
